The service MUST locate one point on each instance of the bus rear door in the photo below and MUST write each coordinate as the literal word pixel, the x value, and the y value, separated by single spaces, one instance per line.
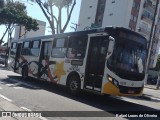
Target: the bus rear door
pixel 17 58
pixel 96 62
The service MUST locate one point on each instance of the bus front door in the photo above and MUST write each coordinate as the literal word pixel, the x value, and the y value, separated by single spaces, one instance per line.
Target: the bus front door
pixel 96 62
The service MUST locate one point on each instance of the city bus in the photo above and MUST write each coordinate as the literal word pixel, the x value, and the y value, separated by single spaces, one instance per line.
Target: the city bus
pixel 108 60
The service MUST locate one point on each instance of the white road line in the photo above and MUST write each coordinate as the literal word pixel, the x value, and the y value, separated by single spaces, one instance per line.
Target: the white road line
pixel 18 87
pixel 1 88
pixel 2 96
pixel 24 108
pixel 26 84
pixel 9 85
pixel 154 98
pixel 42 118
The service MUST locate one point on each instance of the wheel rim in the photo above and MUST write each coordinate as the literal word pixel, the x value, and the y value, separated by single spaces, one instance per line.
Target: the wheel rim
pixel 74 85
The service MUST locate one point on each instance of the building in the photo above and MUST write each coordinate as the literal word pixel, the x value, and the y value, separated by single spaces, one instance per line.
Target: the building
pixel 21 33
pixel 136 15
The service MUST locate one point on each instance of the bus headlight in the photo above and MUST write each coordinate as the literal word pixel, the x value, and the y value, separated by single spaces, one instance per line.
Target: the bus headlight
pixel 110 78
pixel 113 81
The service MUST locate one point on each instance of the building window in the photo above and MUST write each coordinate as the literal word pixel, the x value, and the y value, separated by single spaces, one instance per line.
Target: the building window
pixel 113 1
pixel 134 18
pixel 136 5
pixel 111 14
pixel 144 26
pixel 90 6
pixel 89 17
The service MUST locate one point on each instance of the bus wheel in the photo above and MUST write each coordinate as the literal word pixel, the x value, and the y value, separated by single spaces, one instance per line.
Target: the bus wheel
pixel 74 84
pixel 25 73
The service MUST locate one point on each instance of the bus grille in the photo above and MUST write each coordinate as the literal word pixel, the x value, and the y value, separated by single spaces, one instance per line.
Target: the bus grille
pixel 125 90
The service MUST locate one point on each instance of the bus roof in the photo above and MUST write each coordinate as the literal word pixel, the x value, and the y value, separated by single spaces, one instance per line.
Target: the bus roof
pixel 85 32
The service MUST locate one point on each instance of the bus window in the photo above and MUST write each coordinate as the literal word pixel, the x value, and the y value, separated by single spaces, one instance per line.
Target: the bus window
pixel 59 48
pixel 77 47
pixel 25 49
pixel 35 48
pixel 13 48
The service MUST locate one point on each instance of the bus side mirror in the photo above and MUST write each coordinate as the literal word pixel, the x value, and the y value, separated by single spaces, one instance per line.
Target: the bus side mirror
pixel 110 47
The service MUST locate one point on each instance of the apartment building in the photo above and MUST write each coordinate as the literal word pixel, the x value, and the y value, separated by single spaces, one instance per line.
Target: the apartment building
pixel 136 15
pixel 21 33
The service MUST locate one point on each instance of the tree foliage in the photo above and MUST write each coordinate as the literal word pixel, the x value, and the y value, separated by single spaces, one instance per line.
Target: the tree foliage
pixel 14 13
pixel 49 7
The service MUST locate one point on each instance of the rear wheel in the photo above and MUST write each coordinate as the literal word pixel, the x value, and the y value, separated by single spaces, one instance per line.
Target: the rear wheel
pixel 25 73
pixel 74 84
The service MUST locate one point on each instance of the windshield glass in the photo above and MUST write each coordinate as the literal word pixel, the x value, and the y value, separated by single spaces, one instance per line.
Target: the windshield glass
pixel 128 56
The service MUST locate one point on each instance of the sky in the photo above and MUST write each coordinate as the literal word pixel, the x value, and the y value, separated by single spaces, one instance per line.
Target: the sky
pixel 35 12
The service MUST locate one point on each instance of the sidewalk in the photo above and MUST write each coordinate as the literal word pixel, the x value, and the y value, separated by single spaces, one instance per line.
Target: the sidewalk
pixel 151 87
pixel 150 91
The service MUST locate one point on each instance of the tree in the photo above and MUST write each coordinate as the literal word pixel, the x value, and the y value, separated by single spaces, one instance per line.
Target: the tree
pixel 48 7
pixel 14 13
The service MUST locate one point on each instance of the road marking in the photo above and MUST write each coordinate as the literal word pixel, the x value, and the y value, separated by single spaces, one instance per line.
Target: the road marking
pixel 26 84
pixel 18 87
pixel 24 108
pixel 2 96
pixel 42 118
pixel 154 98
pixel 1 88
pixel 9 85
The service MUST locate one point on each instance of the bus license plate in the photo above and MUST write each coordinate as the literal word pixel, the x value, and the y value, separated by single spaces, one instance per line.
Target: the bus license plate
pixel 130 91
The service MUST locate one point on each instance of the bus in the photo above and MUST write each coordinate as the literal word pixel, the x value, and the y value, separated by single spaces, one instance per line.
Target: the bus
pixel 108 60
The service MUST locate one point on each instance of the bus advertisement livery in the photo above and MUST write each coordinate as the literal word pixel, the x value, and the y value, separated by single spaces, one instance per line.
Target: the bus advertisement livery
pixel 105 61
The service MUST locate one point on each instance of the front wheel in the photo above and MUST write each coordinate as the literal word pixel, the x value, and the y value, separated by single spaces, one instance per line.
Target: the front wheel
pixel 74 84
pixel 24 73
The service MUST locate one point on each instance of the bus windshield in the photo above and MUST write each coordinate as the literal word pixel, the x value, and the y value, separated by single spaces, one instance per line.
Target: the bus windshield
pixel 128 56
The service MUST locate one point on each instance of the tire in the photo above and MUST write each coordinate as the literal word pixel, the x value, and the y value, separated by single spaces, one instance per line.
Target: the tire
pixel 74 84
pixel 25 73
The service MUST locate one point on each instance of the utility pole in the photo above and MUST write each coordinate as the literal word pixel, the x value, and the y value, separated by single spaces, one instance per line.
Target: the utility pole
pixel 151 37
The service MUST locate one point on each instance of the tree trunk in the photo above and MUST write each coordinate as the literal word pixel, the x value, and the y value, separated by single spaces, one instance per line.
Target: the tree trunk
pixel 69 17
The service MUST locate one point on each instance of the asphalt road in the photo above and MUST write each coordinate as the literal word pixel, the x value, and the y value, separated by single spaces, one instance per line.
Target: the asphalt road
pixel 35 95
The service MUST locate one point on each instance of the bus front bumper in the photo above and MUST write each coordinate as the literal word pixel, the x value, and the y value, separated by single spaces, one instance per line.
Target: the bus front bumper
pixel 111 89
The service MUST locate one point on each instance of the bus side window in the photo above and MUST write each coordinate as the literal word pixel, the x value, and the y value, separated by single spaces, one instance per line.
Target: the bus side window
pixel 13 48
pixel 59 48
pixel 35 48
pixel 77 47
pixel 25 49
